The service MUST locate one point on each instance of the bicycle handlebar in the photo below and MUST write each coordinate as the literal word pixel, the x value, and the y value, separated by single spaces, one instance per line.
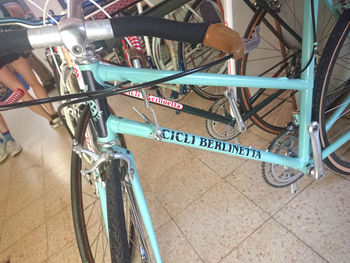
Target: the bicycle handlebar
pixel 159 27
pixel 216 35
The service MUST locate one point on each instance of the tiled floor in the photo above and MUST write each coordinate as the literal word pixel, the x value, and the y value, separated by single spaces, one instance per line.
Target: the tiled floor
pixel 205 207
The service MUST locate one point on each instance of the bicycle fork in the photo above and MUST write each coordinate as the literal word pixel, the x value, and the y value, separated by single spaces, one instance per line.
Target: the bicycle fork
pixel 132 182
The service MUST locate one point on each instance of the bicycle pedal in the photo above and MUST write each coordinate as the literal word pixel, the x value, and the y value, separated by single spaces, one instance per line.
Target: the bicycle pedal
pixel 252 43
pixel 294 188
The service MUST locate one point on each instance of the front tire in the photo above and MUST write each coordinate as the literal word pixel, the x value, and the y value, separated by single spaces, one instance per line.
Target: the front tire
pixel 332 89
pixel 91 235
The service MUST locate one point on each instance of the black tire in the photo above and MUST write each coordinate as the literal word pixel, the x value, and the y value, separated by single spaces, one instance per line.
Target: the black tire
pixel 274 58
pixel 201 55
pixel 332 86
pixel 118 242
pixel 84 200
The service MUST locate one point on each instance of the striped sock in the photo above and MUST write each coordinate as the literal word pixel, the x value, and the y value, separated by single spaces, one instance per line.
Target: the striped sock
pixel 14 97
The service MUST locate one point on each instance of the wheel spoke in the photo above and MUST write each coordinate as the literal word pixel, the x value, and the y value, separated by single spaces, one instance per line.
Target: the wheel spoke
pixel 91 211
pixel 98 234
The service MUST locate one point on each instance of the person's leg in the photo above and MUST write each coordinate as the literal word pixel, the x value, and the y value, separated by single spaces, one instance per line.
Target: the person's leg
pixel 10 80
pixel 45 75
pixel 3 128
pixel 7 144
pixel 22 66
pixel 6 135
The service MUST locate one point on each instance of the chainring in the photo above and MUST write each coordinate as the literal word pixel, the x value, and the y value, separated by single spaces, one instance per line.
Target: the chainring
pixel 218 130
pixel 286 144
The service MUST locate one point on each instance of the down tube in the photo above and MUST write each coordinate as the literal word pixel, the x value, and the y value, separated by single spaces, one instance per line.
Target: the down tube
pixel 125 126
pixel 209 144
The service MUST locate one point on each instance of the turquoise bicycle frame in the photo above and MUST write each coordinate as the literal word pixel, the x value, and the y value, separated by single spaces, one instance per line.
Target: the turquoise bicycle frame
pixel 105 72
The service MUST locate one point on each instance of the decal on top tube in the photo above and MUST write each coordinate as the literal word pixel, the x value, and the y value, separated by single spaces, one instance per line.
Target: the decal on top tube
pixel 156 100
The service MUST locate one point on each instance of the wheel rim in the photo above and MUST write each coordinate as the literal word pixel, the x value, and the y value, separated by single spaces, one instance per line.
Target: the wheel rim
pixel 95 245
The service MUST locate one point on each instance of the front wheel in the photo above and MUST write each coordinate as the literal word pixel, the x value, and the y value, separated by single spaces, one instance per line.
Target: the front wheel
pixel 122 242
pixel 332 95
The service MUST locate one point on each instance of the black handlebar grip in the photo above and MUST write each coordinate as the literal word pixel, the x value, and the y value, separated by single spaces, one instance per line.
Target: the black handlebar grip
pixel 17 41
pixel 14 42
pixel 158 27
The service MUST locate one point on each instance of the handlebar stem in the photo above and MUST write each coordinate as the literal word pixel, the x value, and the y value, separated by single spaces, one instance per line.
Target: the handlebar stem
pixel 73 34
pixel 75 10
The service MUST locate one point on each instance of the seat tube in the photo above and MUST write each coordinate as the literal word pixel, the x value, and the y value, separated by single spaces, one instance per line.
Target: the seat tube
pixel 308 76
pixel 228 13
pixel 99 108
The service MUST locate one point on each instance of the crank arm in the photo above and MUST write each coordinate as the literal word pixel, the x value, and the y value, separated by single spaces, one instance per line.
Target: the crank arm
pixel 314 131
pixel 229 94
